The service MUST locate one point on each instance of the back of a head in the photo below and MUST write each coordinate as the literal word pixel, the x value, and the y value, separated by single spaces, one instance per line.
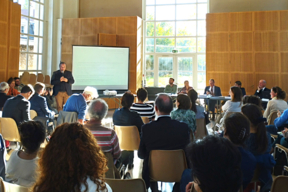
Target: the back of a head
pixel 216 163
pixel 193 95
pixel 97 109
pixel 32 134
pixel 71 156
pixel 184 102
pixel 164 103
pixel 238 83
pixel 253 99
pixel 142 94
pixel 38 87
pixel 27 89
pixel 4 86
pixel 280 93
pixel 127 99
pixel 91 91
pixel 237 128
pixel 237 94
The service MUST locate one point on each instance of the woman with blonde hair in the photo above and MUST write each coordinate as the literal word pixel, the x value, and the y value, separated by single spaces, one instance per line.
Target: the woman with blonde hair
pixel 72 161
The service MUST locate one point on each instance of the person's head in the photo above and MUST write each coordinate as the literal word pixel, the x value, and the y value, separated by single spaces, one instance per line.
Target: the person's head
pixel 211 82
pixel 216 165
pixel 32 134
pixel 71 156
pixel 11 82
pixel 142 94
pixel 193 95
pixel 97 109
pixel 183 102
pixel 237 128
pixel 253 99
pixel 238 84
pixel 171 81
pixel 186 83
pixel 17 81
pixel 236 94
pixel 127 99
pixel 39 88
pixel 90 93
pixel 262 84
pixel 4 87
pixel 27 91
pixel 163 104
pixel 49 91
pixel 254 114
pixel 278 93
pixel 62 66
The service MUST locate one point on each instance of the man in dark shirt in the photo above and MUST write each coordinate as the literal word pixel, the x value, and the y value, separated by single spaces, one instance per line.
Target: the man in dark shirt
pixel 62 81
pixel 4 88
pixel 263 92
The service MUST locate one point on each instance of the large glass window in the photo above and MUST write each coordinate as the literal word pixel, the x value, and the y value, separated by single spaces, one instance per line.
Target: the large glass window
pixel 175 25
pixel 31 35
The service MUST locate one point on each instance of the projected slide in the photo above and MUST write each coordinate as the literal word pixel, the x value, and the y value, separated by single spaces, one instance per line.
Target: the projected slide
pixel 100 67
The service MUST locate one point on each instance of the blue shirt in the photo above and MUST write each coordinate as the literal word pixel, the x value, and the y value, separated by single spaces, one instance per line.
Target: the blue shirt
pixel 200 112
pixel 76 103
pixel 252 145
pixel 282 120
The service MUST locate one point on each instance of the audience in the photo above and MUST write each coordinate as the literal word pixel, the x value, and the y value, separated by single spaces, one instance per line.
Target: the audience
pixel 171 88
pixel 279 123
pixel 282 139
pixel 4 88
pixel 239 84
pixel 183 112
pixel 186 88
pixel 277 102
pixel 162 134
pixel 235 104
pixel 12 91
pixel 72 161
pixel 252 99
pixel 106 137
pixel 78 102
pixel 18 108
pixel 22 165
pixel 144 110
pixel 18 84
pixel 51 100
pixel 263 92
pixel 198 109
pixel 213 91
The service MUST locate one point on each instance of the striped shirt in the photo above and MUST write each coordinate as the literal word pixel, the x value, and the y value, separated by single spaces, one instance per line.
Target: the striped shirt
pixel 144 110
pixel 106 138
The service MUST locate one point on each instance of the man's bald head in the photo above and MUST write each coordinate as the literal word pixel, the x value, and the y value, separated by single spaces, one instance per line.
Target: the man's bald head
pixel 97 109
pixel 164 104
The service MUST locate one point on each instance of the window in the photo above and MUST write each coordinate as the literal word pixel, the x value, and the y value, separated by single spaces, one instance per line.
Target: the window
pixel 175 25
pixel 31 35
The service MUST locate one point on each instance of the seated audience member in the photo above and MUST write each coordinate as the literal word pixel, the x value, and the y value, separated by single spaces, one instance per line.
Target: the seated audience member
pixel 4 88
pixel 144 110
pixel 277 103
pixel 263 92
pixel 18 84
pixel 213 91
pixel 171 88
pixel 183 112
pixel 186 88
pixel 18 108
pixel 38 102
pixel 252 99
pixel 198 109
pixel 216 165
pixel 12 91
pixel 72 161
pixel 162 134
pixel 51 100
pixel 125 117
pixel 22 165
pixel 235 104
pixel 106 137
pixel 279 123
pixel 282 139
pixel 78 102
pixel 259 144
pixel 239 84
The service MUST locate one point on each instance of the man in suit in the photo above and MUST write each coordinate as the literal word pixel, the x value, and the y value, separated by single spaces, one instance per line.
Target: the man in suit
pixel 4 88
pixel 213 91
pixel 263 92
pixel 239 84
pixel 162 134
pixel 18 108
pixel 62 81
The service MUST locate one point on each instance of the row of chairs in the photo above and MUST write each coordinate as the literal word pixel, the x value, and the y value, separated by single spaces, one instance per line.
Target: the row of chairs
pixel 27 78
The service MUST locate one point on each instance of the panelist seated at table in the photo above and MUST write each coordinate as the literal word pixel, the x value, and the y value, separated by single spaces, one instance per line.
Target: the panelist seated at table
pixel 78 102
pixel 239 84
pixel 214 91
pixel 171 88
pixel 186 88
pixel 263 92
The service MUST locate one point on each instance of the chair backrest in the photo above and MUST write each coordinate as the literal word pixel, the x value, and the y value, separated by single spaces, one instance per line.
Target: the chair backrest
pixel 33 114
pixel 145 120
pixel 9 129
pixel 25 78
pixel 40 78
pixel 9 187
pixel 126 185
pixel 272 117
pixel 280 184
pixel 129 138
pixel 67 117
pixel 285 170
pixel 281 157
pixel 201 128
pixel 47 80
pixel 110 164
pixel 167 165
pixel 33 79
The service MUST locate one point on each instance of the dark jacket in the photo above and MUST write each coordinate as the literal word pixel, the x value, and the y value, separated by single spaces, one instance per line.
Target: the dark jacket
pixel 243 91
pixel 212 103
pixel 162 134
pixel 51 102
pixel 17 108
pixel 3 99
pixel 39 104
pixel 263 93
pixel 62 86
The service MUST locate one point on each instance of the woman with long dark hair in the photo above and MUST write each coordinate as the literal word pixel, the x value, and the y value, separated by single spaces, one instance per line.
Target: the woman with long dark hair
pixel 233 105
pixel 198 109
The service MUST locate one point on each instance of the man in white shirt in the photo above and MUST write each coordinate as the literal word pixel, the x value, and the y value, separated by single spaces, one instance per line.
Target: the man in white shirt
pixel 263 92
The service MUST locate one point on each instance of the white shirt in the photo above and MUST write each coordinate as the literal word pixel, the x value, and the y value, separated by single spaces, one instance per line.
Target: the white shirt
pixel 92 187
pixel 213 89
pixel 230 106
pixel 275 105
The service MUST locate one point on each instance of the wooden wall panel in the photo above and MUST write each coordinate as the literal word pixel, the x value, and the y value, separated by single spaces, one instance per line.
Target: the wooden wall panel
pixel 247 80
pixel 86 27
pixel 217 42
pixel 70 27
pixel 284 84
pixel 240 41
pixel 217 22
pixel 107 39
pixel 266 21
pixel 284 41
pixel 126 25
pixel 4 14
pixel 88 40
pixel 264 62
pixel 127 41
pixel 283 20
pixel 284 63
pixel 67 43
pixel 222 80
pixel 271 79
pixel 3 33
pixel 266 41
pixel 218 62
pixel 240 21
pixel 241 62
pixel 107 25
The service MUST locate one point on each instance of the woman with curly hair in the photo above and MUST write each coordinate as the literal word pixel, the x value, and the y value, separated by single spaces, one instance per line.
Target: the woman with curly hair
pixel 72 161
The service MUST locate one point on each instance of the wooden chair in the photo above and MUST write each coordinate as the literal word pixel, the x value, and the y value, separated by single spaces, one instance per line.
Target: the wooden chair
pixel 33 114
pixel 280 184
pixel 272 117
pixel 33 79
pixel 126 185
pixel 47 80
pixel 9 187
pixel 25 78
pixel 201 128
pixel 40 78
pixel 281 157
pixel 112 172
pixel 129 138
pixel 145 120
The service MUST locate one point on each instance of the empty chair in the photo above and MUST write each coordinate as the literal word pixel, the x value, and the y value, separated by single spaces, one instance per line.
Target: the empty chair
pixel 47 80
pixel 25 78
pixel 280 184
pixel 201 128
pixel 9 187
pixel 145 120
pixel 128 136
pixel 40 78
pixel 33 114
pixel 9 129
pixel 272 117
pixel 32 79
pixel 126 185
pixel 112 172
